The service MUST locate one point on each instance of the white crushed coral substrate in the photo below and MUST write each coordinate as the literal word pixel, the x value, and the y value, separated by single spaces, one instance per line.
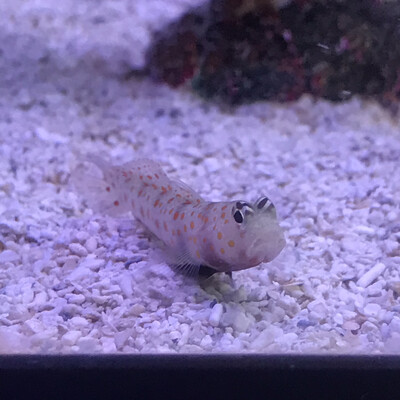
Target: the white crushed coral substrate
pixel 74 282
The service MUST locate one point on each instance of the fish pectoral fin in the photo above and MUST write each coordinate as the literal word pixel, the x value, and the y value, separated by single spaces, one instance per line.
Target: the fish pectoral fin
pixel 187 269
pixel 201 272
pixel 184 264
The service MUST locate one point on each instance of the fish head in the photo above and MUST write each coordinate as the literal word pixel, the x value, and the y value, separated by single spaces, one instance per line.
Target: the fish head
pixel 260 237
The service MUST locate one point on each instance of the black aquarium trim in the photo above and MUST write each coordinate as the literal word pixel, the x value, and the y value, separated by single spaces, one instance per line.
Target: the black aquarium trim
pixel 200 377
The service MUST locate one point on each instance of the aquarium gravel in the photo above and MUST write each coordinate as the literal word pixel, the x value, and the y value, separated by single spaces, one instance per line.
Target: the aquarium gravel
pixel 76 282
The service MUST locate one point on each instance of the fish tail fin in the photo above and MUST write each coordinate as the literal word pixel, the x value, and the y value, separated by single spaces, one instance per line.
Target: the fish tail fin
pixel 101 185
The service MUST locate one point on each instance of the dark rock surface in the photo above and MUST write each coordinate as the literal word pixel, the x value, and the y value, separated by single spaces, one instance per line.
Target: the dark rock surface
pixel 240 50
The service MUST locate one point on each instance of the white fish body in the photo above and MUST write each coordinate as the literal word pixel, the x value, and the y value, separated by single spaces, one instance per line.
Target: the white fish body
pixel 224 236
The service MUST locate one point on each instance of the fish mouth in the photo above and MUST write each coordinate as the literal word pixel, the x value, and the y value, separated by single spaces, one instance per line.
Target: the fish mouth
pixel 267 248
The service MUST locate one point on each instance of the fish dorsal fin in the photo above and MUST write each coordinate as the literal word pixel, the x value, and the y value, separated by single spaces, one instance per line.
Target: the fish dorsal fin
pixel 188 191
pixel 145 166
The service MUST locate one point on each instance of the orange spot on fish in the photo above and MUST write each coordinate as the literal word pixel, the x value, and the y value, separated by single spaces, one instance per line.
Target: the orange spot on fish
pixel 156 175
pixel 192 225
pixel 156 203
pixel 222 250
pixel 178 195
pixel 141 177
pixel 197 254
pixel 182 216
pixel 219 235
pixel 108 188
pixel 171 200
pixel 223 208
pixel 176 215
pixel 192 213
pixel 205 220
pixel 194 240
pixel 163 189
pixel 226 221
pixel 204 240
pixel 170 211
pixel 140 192
pixel 185 228
pixel 116 203
pixel 223 215
pixel 150 177
pixel 154 186
pixel 169 187
pixel 231 243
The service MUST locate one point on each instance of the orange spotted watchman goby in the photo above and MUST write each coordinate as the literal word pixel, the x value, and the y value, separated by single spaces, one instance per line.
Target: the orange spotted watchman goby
pixel 222 236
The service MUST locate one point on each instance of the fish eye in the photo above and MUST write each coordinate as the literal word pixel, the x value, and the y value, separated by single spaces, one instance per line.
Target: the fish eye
pixel 240 210
pixel 238 216
pixel 264 203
